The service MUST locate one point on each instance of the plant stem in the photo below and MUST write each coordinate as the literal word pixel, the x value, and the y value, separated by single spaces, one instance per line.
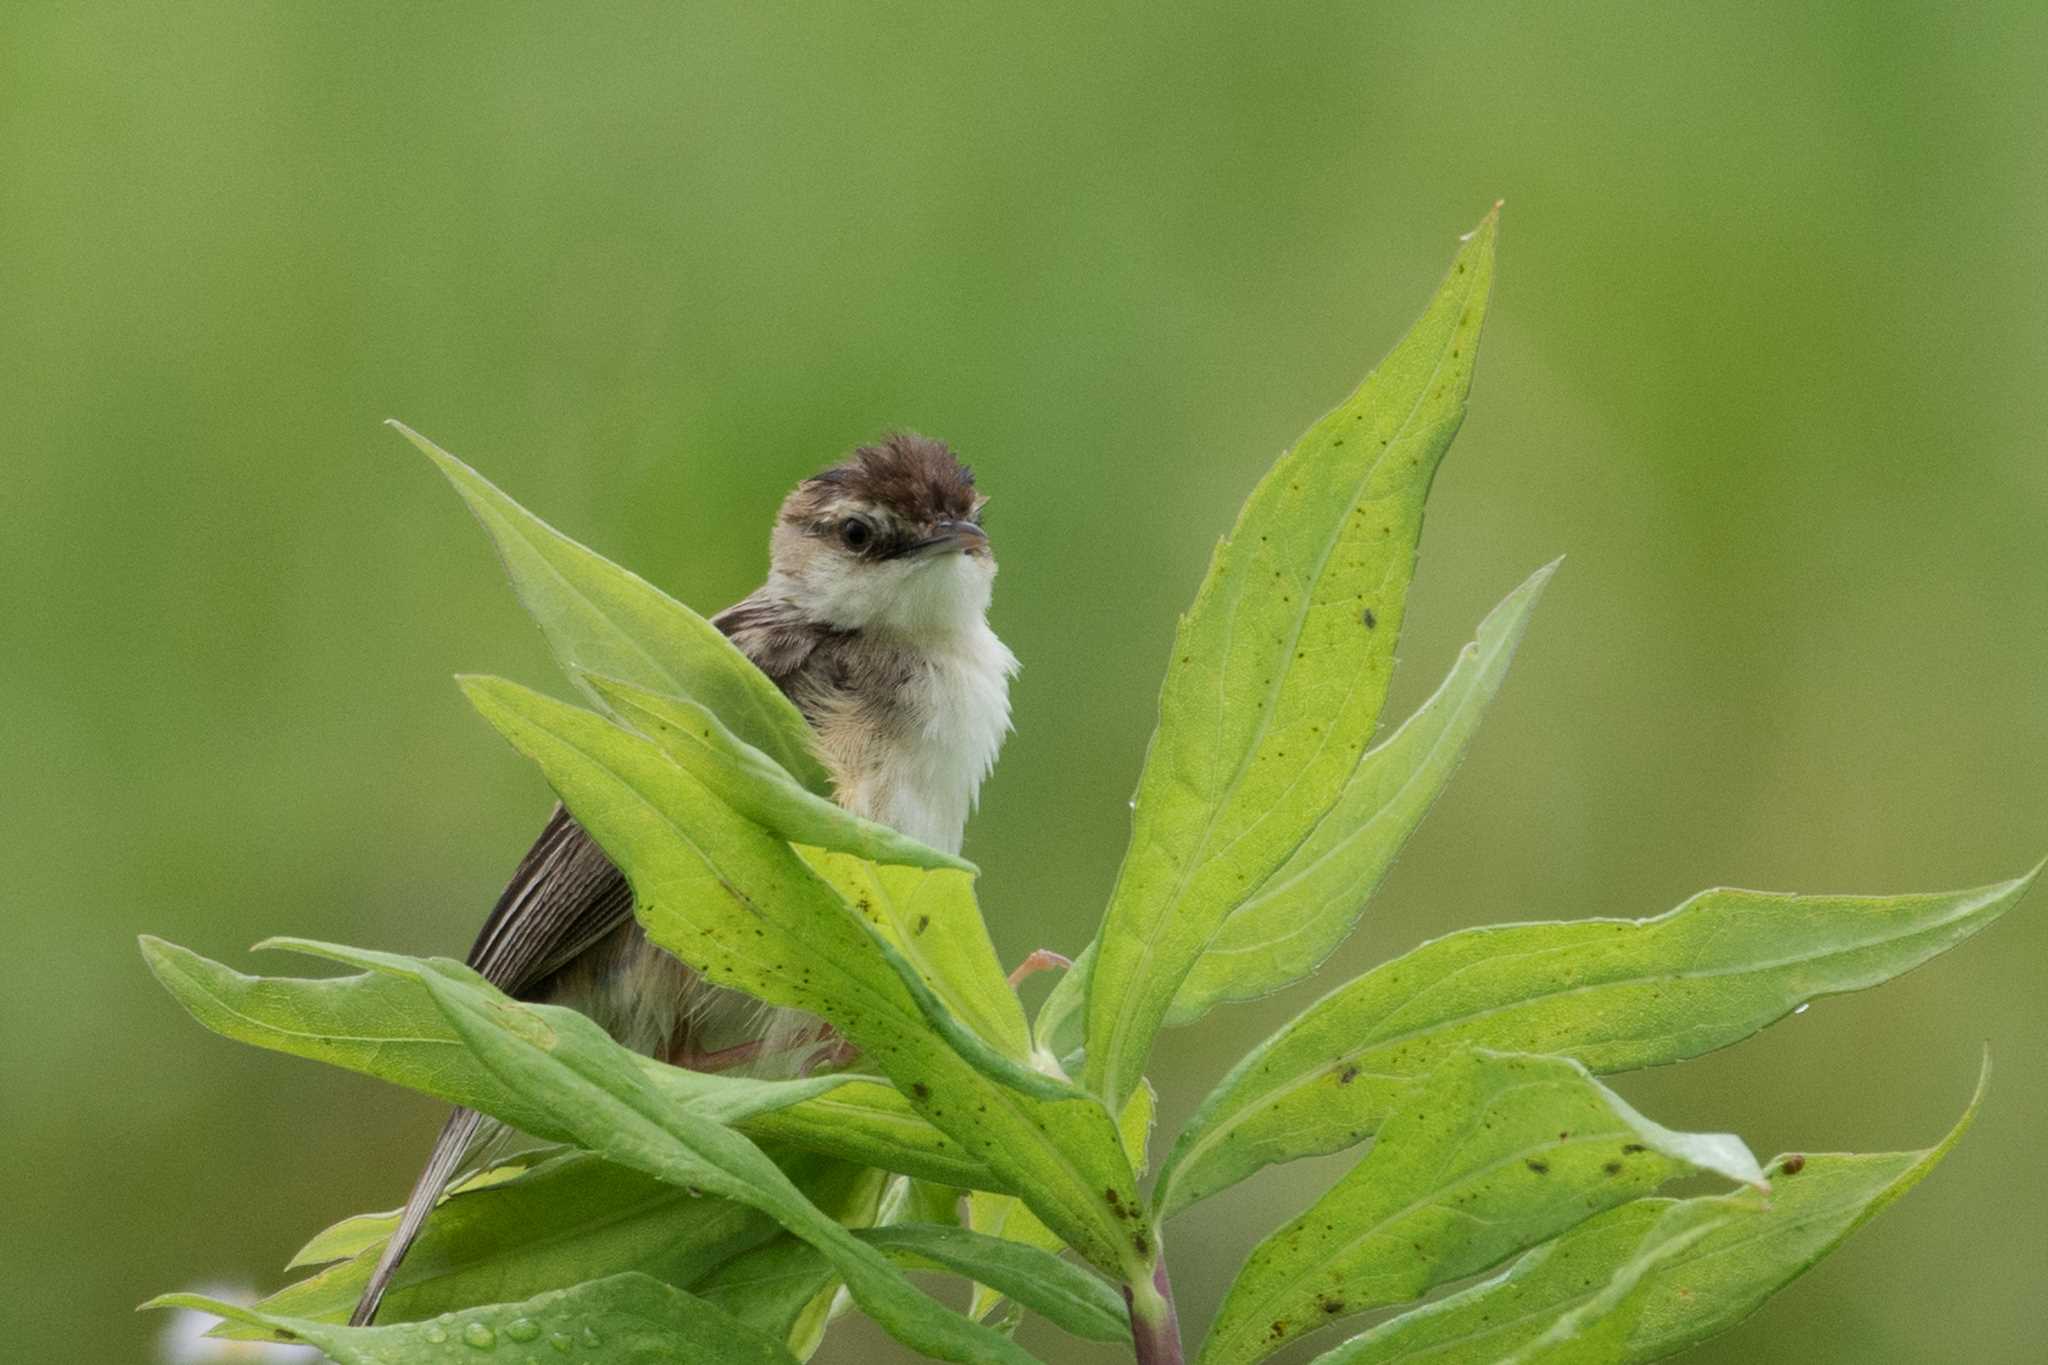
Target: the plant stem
pixel 1155 1327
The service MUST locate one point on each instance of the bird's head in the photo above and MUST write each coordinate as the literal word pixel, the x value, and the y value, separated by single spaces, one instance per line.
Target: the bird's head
pixel 889 539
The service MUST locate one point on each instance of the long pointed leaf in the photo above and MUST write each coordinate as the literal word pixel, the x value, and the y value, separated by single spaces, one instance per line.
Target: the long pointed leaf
pixel 778 1278
pixel 1285 928
pixel 1489 1154
pixel 384 1023
pixel 1279 669
pixel 603 619
pixel 550 1227
pixel 625 1319
pixel 1615 994
pixel 1753 1249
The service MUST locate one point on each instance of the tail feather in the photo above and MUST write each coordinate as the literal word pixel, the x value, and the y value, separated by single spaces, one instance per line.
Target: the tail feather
pixel 456 1136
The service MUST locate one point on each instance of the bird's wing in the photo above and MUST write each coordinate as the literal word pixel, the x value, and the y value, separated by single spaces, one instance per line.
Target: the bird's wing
pixel 564 896
pixel 769 633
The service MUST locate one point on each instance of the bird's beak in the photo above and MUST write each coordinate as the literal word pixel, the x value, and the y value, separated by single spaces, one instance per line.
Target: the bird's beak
pixel 963 536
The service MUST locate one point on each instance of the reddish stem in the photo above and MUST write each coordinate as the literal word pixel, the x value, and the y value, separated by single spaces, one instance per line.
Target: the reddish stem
pixel 1155 1326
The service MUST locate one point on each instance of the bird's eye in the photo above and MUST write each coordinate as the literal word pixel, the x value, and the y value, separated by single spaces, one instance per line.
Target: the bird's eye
pixel 856 533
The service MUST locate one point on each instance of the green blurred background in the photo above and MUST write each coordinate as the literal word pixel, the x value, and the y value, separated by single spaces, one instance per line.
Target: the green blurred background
pixel 1766 360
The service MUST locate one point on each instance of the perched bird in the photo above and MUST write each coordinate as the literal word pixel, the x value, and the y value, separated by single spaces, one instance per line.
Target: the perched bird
pixel 873 621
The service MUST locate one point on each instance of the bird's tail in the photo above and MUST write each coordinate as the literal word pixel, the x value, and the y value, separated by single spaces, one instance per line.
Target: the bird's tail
pixel 456 1136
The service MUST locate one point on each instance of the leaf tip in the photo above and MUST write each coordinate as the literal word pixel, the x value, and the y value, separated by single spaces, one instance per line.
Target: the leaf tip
pixel 1488 225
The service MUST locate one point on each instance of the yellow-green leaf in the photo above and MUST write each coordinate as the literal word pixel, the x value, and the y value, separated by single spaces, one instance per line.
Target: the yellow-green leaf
pixel 1487 1155
pixel 741 908
pixel 600 618
pixel 1615 994
pixel 629 1319
pixel 1748 1249
pixel 1279 670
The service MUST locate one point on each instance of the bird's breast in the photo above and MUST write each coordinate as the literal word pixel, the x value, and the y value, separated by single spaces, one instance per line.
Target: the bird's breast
pixel 911 741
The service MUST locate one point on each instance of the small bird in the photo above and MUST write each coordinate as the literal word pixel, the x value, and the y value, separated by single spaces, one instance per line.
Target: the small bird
pixel 874 622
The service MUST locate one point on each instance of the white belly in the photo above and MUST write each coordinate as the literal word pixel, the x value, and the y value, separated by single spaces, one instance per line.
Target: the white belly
pixel 922 774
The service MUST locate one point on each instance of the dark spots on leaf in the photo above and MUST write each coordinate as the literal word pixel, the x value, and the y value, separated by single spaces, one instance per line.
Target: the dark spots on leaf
pixel 1110 1197
pixel 1331 1306
pixel 1279 1330
pixel 1564 1137
pixel 1633 1149
pixel 1371 621
pixel 1141 1244
pixel 1793 1165
pixel 1612 1168
pixel 924 922
pixel 1347 1076
pixel 921 1090
pixel 1539 1167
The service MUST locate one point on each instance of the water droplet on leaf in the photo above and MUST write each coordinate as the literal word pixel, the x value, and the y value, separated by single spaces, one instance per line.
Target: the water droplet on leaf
pixel 522 1329
pixel 1803 1006
pixel 480 1336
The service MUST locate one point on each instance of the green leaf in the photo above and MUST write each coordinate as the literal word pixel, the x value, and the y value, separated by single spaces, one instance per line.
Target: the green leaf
pixel 1063 1293
pixel 1057 1029
pixel 550 1227
pixel 874 1124
pixel 930 918
pixel 576 1073
pixel 600 618
pixel 756 785
pixel 775 1279
pixel 568 1067
pixel 568 1080
pixel 347 1238
pixel 384 1023
pixel 630 1319
pixel 1615 994
pixel 784 1286
pixel 741 908
pixel 1489 1154
pixel 1597 1331
pixel 1283 930
pixel 1752 1249
pixel 1005 1216
pixel 1279 669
